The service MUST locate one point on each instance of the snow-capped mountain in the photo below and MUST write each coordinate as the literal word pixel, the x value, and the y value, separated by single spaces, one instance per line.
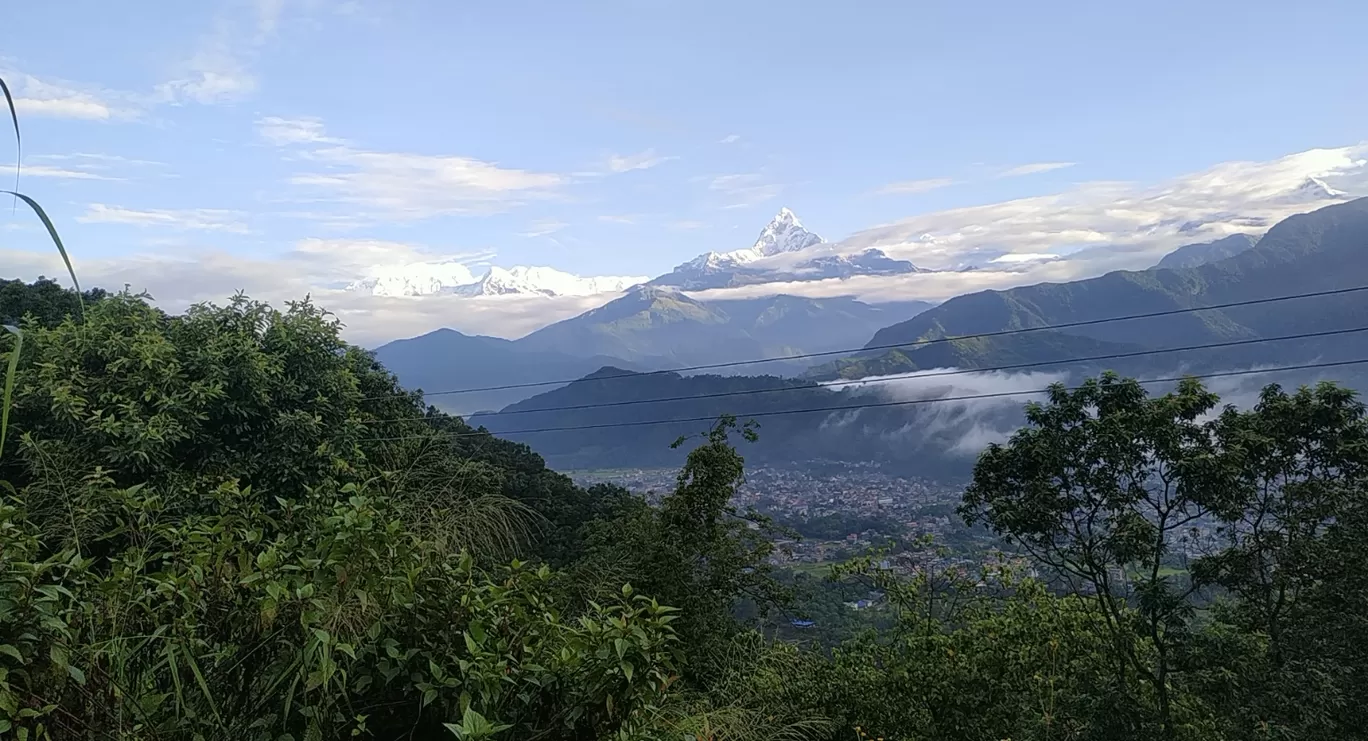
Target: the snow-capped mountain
pixel 1312 190
pixel 413 279
pixel 783 237
pixel 448 277
pixel 784 233
pixel 544 281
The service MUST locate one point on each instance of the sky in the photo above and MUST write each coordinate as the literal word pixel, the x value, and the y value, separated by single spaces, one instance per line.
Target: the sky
pixel 285 147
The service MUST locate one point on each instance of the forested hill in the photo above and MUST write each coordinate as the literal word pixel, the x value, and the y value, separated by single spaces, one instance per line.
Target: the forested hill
pixel 1323 250
pixel 615 418
pixel 231 524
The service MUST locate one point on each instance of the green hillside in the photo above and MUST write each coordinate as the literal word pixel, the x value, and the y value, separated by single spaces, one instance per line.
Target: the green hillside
pixel 1319 251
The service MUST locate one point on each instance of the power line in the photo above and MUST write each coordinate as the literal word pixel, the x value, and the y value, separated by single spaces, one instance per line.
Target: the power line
pixel 894 346
pixel 937 374
pixel 871 405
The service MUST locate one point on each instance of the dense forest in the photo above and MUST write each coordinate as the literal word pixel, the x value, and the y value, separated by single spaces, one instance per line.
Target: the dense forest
pixel 231 524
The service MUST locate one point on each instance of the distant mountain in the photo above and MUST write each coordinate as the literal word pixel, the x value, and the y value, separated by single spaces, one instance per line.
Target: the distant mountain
pixel 414 279
pixel 446 360
pixel 775 258
pixel 661 326
pixel 620 419
pixel 451 277
pixel 934 425
pixel 544 282
pixel 1323 250
pixel 1192 255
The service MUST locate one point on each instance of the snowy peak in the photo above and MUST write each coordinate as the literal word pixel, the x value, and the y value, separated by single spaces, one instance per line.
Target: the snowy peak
pixel 1312 189
pixel 413 279
pixel 450 277
pixel 784 233
pixel 543 281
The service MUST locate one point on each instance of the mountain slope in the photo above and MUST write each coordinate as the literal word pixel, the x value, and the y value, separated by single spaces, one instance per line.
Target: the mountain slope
pixel 796 426
pixel 778 256
pixel 1192 255
pixel 662 326
pixel 1323 250
pixel 446 359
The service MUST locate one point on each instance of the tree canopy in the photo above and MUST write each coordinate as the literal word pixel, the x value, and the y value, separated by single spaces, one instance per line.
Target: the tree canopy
pixel 230 523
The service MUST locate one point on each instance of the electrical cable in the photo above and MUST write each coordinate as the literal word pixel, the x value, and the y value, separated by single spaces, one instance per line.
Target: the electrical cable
pixel 915 343
pixel 935 374
pixel 854 407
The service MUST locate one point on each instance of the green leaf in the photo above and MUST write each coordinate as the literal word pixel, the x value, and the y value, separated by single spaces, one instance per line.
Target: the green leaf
pixel 56 240
pixel 11 370
pixel 627 669
pixel 76 674
pixel 18 141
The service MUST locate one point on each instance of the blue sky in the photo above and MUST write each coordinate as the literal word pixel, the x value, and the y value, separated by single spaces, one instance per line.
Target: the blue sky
pixel 623 137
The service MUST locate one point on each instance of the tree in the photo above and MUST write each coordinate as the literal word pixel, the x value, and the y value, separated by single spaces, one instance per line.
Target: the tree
pixel 1103 485
pixel 44 300
pixel 696 549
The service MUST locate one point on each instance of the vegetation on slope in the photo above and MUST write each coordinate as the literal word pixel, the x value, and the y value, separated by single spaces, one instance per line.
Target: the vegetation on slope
pixel 231 524
pixel 1317 251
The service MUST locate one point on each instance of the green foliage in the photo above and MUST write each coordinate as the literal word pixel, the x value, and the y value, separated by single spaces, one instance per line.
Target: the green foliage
pixel 45 300
pixel 1310 252
pixel 321 615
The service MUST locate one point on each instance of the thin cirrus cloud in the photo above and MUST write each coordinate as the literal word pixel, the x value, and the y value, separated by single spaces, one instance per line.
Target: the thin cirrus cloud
pixel 1033 168
pixel 409 186
pixel 543 227
pixel 198 219
pixel 402 185
pixel 640 161
pixel 59 173
pixel 744 190
pixel 905 187
pixel 286 131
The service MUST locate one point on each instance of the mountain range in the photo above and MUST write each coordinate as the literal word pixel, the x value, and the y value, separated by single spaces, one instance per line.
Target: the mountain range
pixel 785 251
pixel 649 327
pixel 782 253
pixel 455 278
pixel 1324 250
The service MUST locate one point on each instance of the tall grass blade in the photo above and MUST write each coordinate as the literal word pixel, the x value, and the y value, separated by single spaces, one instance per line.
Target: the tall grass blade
pixel 18 142
pixel 11 370
pixel 57 240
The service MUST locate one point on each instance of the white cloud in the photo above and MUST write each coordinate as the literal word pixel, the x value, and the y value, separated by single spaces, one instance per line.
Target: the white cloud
pixel 1033 168
pixel 195 273
pixel 219 69
pixel 618 218
pixel 92 159
pixel 730 139
pixel 406 186
pixel 58 99
pixel 687 224
pixel 285 131
pixel 1129 225
pixel 45 171
pixel 639 161
pixel 1023 257
pixel 914 186
pixel 200 219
